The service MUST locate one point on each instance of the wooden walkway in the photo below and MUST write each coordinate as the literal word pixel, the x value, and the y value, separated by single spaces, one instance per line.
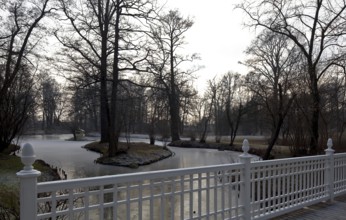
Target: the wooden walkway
pixel 322 211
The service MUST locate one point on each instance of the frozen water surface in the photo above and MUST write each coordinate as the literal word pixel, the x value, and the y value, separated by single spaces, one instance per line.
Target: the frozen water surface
pixel 77 162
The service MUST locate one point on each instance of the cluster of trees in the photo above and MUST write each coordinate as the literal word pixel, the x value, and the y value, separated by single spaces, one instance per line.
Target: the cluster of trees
pixel 316 30
pixel 18 64
pixel 113 54
pixel 126 71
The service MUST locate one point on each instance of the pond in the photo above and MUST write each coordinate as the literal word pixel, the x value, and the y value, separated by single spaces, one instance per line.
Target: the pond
pixel 77 162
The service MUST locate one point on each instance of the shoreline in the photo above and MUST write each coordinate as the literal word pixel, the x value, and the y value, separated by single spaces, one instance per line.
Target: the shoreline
pixel 215 146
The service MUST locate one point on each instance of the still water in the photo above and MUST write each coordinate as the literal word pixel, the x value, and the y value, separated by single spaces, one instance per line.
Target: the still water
pixel 77 162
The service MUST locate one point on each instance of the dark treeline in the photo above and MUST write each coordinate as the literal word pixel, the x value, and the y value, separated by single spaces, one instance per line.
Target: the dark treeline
pixel 124 70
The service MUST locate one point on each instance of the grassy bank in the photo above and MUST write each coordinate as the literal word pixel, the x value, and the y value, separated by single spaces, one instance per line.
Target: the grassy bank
pixel 257 146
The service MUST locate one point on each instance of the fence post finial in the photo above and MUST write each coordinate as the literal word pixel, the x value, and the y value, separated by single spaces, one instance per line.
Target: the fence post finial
pixel 28 157
pixel 329 175
pixel 245 147
pixel 329 151
pixel 28 184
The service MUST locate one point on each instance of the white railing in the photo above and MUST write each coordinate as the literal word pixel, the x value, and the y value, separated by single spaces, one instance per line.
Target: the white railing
pixel 244 190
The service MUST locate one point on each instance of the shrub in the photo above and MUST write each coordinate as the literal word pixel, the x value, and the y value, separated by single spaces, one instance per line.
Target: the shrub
pixel 9 202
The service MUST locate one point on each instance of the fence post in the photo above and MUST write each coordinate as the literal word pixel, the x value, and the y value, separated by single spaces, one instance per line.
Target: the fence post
pixel 330 169
pixel 245 158
pixel 28 184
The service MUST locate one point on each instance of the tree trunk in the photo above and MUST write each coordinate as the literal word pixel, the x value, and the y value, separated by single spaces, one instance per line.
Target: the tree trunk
pixel 74 134
pixel 273 139
pixel 235 129
pixel 175 119
pixel 113 144
pixel 315 112
pixel 152 139
pixel 204 134
pixel 104 108
pixel 104 112
pixel 277 126
pixel 114 127
pixel 173 99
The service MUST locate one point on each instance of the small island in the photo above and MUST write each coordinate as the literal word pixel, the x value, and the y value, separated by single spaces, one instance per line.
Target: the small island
pixel 130 155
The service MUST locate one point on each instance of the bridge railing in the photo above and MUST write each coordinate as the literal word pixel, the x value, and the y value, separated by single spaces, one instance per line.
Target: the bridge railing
pixel 244 190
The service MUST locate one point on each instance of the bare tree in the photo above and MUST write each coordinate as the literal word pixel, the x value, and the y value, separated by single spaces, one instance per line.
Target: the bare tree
pixel 219 111
pixel 83 89
pixel 333 106
pixel 53 104
pixel 84 107
pixel 16 106
pixel 208 104
pixel 91 23
pixel 235 101
pixel 316 27
pixel 196 113
pixel 19 24
pixel 168 36
pixel 103 33
pixel 187 99
pixel 226 100
pixel 273 63
pixel 156 111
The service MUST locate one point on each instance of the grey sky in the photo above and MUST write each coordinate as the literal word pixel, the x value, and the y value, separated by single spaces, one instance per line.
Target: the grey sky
pixel 217 35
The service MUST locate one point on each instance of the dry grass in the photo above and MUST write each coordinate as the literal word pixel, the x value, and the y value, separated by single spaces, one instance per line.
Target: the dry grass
pixel 258 146
pixel 11 149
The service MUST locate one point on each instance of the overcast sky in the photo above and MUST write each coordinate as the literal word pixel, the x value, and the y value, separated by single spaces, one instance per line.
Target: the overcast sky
pixel 217 35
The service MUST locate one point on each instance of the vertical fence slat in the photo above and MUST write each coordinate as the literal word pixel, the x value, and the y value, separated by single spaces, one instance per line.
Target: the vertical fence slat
pixel 162 198
pixel 182 191
pixel 70 204
pixel 173 198
pixel 215 195
pixel 115 201
pixel 191 196
pixel 101 198
pixel 53 208
pixel 208 195
pixel 140 200
pixel 223 178
pixel 151 199
pixel 200 194
pixel 230 194
pixel 301 188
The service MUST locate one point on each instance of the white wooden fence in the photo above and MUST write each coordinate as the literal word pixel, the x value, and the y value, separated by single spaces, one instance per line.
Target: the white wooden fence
pixel 244 190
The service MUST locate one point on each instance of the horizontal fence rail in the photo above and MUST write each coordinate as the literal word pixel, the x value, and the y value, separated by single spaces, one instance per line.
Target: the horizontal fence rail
pixel 244 190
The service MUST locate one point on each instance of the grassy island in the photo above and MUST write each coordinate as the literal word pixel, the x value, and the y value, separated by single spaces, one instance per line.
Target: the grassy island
pixel 130 154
